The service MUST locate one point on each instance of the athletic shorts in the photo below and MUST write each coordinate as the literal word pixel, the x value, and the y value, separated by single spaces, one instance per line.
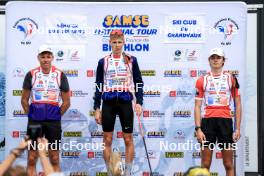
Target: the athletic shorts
pixel 51 130
pixel 218 130
pixel 125 112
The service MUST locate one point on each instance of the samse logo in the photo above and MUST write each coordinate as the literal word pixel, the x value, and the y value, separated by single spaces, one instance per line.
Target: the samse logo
pixel 126 21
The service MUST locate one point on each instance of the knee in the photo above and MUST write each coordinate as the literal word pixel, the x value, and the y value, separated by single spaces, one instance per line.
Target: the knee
pixel 228 165
pixel 108 140
pixel 206 163
pixel 128 140
pixel 55 159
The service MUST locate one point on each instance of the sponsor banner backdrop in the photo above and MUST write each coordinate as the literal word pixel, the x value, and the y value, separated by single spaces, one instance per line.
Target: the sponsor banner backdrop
pixel 2 89
pixel 172 43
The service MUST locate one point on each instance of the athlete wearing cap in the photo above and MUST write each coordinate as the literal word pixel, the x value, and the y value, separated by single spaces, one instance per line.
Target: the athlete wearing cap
pixel 215 90
pixel 45 87
pixel 117 78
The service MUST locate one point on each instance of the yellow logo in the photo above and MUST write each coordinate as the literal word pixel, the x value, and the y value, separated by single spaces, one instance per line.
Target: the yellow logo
pixel 126 21
pixel 17 92
pixel 72 134
pixel 174 154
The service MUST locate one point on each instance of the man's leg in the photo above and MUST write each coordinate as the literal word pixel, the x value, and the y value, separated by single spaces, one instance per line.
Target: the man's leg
pixel 108 138
pixel 108 123
pixel 126 116
pixel 54 156
pixel 52 130
pixel 32 152
pixel 31 162
pixel 225 138
pixel 206 157
pixel 207 148
pixel 128 138
pixel 228 162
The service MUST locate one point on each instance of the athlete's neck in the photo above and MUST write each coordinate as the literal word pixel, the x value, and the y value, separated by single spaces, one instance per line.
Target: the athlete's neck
pixel 46 70
pixel 116 55
pixel 216 71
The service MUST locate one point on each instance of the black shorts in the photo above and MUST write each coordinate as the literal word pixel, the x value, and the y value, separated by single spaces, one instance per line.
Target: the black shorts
pixel 125 112
pixel 217 129
pixel 51 130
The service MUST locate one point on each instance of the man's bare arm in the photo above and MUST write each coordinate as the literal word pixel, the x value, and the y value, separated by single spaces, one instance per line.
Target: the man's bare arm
pixel 65 96
pixel 24 100
pixel 197 112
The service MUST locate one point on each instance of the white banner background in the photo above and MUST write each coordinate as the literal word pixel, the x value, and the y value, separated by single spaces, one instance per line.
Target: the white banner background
pixel 78 33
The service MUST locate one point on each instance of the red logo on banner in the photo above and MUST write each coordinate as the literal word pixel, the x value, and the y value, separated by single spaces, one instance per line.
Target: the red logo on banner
pixel 145 113
pixel 90 155
pixel 145 174
pixel 193 73
pixel 70 93
pixel 15 134
pixel 119 134
pixel 192 53
pixel 90 73
pixel 218 155
pixel 173 93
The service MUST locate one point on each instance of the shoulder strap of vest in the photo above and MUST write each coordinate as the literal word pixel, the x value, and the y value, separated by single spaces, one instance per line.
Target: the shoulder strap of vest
pixel 128 60
pixel 34 70
pixel 229 79
pixel 205 80
pixel 106 59
pixel 33 74
pixel 59 72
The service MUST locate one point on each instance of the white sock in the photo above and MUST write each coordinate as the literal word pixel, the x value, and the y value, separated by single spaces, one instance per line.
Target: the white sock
pixel 109 173
pixel 128 169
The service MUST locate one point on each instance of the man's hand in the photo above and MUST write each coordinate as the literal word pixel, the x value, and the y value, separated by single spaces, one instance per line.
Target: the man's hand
pixel 21 147
pixel 98 116
pixel 200 136
pixel 138 109
pixel 236 135
pixel 24 143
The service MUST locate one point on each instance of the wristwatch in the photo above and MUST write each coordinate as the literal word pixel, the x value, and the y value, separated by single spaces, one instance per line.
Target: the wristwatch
pixel 197 128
